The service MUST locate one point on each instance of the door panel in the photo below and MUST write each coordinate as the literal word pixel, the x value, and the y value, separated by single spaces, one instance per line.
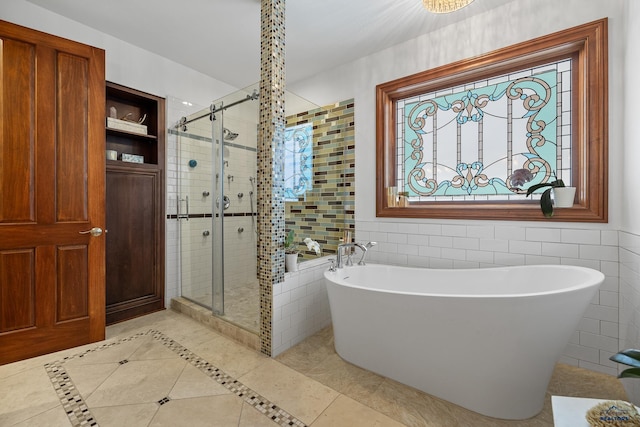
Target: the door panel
pixel 132 239
pixel 71 139
pixel 71 284
pixel 17 146
pixel 52 182
pixel 17 295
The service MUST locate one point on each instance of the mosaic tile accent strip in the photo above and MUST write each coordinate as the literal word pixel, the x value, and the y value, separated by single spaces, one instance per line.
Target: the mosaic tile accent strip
pixel 80 415
pixel 328 209
pixel 270 165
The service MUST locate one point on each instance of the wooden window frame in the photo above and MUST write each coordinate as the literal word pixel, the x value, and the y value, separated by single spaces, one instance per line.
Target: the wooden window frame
pixel 587 45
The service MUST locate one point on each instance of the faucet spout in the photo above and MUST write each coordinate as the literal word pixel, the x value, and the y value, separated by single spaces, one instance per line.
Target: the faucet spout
pixel 341 246
pixel 365 248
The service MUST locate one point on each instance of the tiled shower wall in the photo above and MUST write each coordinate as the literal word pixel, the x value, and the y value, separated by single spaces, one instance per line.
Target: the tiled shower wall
pixel 328 208
pixel 471 246
pixel 240 237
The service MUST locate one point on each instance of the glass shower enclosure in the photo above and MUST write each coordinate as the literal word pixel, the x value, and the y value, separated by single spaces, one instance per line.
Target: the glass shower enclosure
pixel 216 208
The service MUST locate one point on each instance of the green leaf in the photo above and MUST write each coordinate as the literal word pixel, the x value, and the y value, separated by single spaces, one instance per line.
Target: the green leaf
pixel 545 204
pixel 552 184
pixel 629 357
pixel 630 373
pixel 289 239
pixel 533 188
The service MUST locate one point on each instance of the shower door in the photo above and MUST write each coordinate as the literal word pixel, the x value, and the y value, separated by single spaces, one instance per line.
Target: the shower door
pixel 217 209
pixel 195 210
pixel 220 205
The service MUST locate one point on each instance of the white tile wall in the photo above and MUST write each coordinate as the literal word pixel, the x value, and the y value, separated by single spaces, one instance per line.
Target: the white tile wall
pixel 191 265
pixel 462 246
pixel 629 302
pixel 300 305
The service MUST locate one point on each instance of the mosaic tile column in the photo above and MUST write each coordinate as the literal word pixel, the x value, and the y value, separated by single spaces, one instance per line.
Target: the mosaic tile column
pixel 270 163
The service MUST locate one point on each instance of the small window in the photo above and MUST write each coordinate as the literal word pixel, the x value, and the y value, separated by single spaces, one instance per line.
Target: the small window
pixel 298 161
pixel 466 140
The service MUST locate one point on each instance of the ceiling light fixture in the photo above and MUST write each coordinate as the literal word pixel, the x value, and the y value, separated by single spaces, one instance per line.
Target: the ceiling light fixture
pixel 444 6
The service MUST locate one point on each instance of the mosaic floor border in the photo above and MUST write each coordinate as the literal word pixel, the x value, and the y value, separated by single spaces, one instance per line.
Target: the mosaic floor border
pixel 80 415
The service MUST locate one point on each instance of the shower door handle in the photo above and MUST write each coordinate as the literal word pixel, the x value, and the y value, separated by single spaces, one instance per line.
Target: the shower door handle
pixel 182 216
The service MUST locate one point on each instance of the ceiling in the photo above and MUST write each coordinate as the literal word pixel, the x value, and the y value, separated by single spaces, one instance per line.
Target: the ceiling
pixel 221 38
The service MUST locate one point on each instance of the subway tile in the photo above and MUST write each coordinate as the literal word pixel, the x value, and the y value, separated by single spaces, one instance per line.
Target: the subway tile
pixel 379 237
pixel 388 227
pixel 282 299
pixel 582 352
pixel 560 249
pixel 430 229
pixel 409 250
pixel 609 237
pixel 398 238
pixel 601 312
pixel 368 225
pixel 454 230
pixel 390 248
pixel 455 254
pixel 598 341
pixel 599 252
pixel 524 247
pixel 610 299
pixel 408 227
pixel 494 245
pixel 480 256
pixel 397 259
pixel 610 268
pixel 418 261
pixel 417 239
pixel 509 259
pixel 480 231
pixel 441 241
pixel 590 325
pixel 510 233
pixel 588 237
pixel 542 234
pixel 430 251
pixel 610 284
pixel 630 242
pixel 466 243
pixel 609 329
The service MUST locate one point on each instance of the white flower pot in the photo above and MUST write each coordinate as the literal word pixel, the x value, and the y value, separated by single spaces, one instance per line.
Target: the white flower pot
pixel 291 262
pixel 563 197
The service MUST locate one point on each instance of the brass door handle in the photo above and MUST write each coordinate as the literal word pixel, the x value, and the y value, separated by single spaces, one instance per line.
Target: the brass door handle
pixel 95 231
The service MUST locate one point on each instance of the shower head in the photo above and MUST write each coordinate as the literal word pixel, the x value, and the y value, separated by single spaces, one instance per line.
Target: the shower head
pixel 228 135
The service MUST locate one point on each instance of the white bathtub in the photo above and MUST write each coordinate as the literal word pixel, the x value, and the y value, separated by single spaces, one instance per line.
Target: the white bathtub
pixel 485 339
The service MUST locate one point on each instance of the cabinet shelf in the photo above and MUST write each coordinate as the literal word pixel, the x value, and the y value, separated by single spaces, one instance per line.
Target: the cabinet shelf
pixel 124 133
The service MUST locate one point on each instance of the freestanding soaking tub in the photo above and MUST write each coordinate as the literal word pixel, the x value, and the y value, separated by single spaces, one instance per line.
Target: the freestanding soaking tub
pixel 485 339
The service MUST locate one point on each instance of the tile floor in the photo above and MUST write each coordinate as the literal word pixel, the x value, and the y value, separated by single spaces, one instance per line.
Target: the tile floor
pixel 165 369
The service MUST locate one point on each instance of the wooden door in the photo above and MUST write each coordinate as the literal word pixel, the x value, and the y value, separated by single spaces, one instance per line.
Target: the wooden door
pixel 52 189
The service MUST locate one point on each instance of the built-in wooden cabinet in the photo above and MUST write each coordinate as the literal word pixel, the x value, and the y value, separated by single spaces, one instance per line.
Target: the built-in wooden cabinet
pixel 134 203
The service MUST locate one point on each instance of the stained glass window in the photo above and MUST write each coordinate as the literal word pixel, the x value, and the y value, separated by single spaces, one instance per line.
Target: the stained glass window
pixel 488 139
pixel 298 161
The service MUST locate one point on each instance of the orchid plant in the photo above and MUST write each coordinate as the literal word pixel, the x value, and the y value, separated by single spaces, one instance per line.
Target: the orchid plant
pixel 290 245
pixel 312 245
